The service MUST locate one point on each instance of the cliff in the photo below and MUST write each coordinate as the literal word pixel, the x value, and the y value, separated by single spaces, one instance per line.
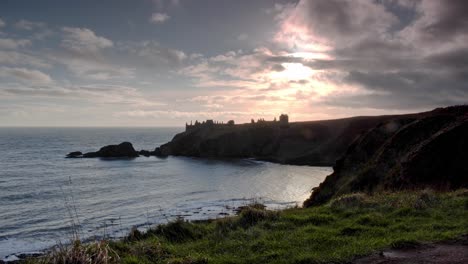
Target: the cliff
pixel 318 143
pixel 406 152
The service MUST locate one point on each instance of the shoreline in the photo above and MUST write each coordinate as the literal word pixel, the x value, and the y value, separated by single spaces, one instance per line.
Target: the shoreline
pixel 212 214
pixel 411 222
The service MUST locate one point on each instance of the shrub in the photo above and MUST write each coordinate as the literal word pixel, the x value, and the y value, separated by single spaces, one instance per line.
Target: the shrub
pixel 134 235
pixel 225 225
pixel 251 216
pixel 254 205
pixel 98 252
pixel 425 199
pixel 150 249
pixel 461 193
pixel 178 231
pixel 349 200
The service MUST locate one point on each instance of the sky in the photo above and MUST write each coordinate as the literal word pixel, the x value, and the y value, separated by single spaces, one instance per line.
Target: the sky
pixel 167 62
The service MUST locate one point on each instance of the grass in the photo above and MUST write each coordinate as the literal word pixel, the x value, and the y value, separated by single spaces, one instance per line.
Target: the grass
pixel 339 231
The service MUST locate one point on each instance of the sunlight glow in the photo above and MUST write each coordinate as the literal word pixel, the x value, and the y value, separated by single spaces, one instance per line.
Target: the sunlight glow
pixel 312 55
pixel 292 71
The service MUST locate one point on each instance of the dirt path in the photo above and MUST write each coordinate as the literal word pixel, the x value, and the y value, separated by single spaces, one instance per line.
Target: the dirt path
pixel 452 252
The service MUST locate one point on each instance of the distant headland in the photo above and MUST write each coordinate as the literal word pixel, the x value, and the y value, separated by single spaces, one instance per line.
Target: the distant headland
pixel 318 143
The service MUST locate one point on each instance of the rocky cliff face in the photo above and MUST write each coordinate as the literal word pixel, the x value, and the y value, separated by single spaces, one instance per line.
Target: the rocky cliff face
pixel 303 143
pixel 407 152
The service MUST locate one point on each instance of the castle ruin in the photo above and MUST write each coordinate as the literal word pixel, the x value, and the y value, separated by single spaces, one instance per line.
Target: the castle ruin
pixel 283 122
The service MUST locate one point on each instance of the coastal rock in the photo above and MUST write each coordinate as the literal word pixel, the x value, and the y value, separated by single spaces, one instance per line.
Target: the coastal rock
pixel 123 150
pixel 429 150
pixel 159 153
pixel 75 154
pixel 145 153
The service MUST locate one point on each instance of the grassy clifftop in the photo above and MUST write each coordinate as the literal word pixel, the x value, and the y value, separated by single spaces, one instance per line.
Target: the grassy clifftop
pixel 339 231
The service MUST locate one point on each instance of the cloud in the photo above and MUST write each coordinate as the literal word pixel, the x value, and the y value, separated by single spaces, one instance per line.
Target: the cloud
pixel 440 21
pixel 165 4
pixel 83 55
pixel 452 60
pixel 255 81
pixel 89 67
pixel 175 114
pixel 29 25
pixel 38 30
pixel 25 75
pixel 109 94
pixel 334 22
pixel 2 23
pixel 7 43
pixel 358 55
pixel 159 18
pixel 17 58
pixel 386 60
pixel 152 54
pixel 83 40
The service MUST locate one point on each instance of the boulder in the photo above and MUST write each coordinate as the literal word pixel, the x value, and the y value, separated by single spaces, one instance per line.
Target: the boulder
pixel 123 150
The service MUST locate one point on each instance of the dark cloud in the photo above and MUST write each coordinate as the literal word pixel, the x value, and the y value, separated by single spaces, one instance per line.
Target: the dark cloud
pixel 448 20
pixel 404 54
pixel 407 89
pixel 278 68
pixel 300 81
pixel 456 60
pixel 282 59
pixel 339 21
pixel 377 48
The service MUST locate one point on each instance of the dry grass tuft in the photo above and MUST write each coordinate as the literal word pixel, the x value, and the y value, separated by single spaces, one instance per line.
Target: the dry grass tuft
pixel 97 252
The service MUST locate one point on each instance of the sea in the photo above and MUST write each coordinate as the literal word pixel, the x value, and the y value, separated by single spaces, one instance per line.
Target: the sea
pixel 45 198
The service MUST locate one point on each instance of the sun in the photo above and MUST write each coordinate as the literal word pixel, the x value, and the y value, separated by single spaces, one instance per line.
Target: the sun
pixel 292 72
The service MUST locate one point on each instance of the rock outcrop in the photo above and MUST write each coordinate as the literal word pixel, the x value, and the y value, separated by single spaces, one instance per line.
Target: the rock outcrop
pixel 75 154
pixel 429 150
pixel 123 150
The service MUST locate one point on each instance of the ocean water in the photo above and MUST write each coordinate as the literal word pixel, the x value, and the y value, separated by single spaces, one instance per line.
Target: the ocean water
pixel 42 193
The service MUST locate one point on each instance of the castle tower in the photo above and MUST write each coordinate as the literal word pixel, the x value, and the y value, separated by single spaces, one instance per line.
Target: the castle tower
pixel 284 121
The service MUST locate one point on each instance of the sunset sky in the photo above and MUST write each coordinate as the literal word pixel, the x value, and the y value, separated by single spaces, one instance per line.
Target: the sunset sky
pixel 166 62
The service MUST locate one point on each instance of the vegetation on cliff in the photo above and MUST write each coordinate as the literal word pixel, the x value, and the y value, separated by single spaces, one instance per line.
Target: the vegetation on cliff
pixel 339 231
pixel 429 150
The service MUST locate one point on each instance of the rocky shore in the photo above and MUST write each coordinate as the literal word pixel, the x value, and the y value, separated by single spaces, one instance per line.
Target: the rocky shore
pixel 122 150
